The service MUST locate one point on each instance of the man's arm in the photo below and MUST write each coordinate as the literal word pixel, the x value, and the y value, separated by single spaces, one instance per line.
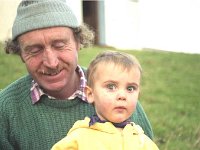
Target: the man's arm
pixel 4 133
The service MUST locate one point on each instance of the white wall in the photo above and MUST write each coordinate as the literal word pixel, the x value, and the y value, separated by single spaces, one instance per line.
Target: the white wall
pixel 8 10
pixel 76 6
pixel 121 24
pixel 172 25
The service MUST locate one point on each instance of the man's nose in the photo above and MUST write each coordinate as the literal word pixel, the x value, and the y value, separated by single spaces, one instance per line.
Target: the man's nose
pixel 50 58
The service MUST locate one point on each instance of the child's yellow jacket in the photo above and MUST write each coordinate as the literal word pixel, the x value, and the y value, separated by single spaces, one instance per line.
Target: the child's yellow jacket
pixel 104 136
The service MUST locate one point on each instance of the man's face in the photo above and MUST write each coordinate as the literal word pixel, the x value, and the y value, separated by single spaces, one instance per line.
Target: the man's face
pixel 51 57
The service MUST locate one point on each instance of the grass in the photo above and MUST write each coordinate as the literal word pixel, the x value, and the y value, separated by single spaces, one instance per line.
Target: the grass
pixel 170 92
pixel 11 68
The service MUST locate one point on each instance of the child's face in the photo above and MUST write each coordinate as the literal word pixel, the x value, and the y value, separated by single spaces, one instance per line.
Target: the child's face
pixel 115 92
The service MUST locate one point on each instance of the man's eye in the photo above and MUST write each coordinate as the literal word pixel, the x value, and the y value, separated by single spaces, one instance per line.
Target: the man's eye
pixel 111 86
pixel 131 88
pixel 59 45
pixel 33 50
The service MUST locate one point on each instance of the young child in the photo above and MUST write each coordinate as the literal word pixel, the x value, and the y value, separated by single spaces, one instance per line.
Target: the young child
pixel 113 86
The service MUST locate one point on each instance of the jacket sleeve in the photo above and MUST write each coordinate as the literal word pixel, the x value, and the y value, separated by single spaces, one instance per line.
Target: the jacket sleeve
pixel 66 143
pixel 139 117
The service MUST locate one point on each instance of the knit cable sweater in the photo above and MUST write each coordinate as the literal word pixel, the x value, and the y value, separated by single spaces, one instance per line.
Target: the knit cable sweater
pixel 24 126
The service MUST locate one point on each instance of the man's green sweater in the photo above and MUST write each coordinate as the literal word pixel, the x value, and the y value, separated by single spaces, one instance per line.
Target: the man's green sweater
pixel 27 126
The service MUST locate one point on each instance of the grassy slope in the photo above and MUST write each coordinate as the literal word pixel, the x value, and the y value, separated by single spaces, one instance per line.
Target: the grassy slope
pixel 170 93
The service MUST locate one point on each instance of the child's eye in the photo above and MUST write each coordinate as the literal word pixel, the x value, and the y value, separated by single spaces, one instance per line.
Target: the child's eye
pixel 131 88
pixel 111 86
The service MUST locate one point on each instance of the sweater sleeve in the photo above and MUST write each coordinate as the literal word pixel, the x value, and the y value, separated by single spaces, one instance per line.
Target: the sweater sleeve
pixel 140 118
pixel 7 138
pixel 5 143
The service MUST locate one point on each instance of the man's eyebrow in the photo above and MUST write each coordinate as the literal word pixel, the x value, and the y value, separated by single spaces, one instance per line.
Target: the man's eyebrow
pixel 60 40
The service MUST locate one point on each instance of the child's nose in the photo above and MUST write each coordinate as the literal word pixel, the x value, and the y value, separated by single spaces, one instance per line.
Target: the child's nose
pixel 121 95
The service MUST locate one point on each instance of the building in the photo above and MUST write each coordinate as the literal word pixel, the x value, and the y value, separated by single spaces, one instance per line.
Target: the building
pixel 170 25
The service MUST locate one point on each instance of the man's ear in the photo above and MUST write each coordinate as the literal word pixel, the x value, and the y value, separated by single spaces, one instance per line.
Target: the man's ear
pixel 89 94
pixel 22 58
pixel 78 46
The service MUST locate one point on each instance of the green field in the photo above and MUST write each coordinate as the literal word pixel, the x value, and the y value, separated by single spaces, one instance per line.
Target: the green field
pixel 170 92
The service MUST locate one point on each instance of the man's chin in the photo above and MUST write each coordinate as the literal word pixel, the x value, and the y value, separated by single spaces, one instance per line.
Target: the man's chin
pixel 52 88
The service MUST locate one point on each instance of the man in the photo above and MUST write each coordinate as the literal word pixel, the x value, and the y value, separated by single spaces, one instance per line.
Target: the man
pixel 38 109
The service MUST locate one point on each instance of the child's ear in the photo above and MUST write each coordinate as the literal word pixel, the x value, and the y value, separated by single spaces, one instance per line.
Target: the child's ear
pixel 89 94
